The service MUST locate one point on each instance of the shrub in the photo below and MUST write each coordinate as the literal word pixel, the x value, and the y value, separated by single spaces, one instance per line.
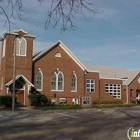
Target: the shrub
pixel 38 100
pixel 137 102
pixel 34 99
pixel 107 101
pixel 133 102
pixel 6 100
pixel 43 100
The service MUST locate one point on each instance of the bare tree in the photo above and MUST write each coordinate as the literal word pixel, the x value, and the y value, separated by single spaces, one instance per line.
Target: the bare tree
pixel 60 11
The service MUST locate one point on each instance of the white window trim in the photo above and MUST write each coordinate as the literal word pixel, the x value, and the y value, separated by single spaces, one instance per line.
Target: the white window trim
pixel 75 103
pixel 1 83
pixel 75 83
pixel 4 48
pixel 57 82
pixel 89 99
pixel 41 80
pixel 113 89
pixel 90 88
pixel 62 100
pixel 7 90
pixel 58 54
pixel 29 86
pixel 22 38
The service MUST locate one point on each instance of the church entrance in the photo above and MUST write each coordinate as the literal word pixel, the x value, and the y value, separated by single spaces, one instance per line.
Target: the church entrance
pixel 20 96
pixel 22 88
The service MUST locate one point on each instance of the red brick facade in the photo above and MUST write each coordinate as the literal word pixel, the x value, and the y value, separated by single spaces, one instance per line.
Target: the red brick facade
pixel 47 63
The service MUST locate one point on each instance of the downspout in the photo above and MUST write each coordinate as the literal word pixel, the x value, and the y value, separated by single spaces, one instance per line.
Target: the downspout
pixel 99 88
pixel 83 86
pixel 84 82
pixel 127 93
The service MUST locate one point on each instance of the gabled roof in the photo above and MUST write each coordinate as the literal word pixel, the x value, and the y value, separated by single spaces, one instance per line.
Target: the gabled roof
pixel 131 76
pixel 49 48
pixel 16 78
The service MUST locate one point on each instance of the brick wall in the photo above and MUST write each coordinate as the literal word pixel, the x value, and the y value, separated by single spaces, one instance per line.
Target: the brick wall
pixel 49 63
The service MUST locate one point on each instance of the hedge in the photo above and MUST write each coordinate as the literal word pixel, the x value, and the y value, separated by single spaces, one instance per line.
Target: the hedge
pixel 107 101
pixel 6 100
pixel 38 100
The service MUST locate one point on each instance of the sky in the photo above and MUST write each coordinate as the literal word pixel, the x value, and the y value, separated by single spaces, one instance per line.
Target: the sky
pixel 111 38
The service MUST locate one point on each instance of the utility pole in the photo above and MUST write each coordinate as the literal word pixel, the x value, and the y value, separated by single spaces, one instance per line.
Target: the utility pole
pixel 14 76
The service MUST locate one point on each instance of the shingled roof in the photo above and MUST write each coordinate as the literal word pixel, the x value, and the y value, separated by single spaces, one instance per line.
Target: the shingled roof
pixel 114 73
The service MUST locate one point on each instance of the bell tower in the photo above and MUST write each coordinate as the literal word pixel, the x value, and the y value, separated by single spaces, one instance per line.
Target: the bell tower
pixel 24 50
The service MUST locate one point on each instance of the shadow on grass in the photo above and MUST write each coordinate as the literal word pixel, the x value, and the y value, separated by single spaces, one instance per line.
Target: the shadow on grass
pixel 10 109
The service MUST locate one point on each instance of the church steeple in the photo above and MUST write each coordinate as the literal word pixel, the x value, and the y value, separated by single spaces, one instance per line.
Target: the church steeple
pixel 24 50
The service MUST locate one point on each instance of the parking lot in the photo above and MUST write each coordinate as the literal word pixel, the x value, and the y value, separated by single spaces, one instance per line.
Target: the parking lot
pixel 85 124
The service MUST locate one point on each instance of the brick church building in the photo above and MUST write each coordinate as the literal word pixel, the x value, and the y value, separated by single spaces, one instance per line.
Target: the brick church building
pixel 58 74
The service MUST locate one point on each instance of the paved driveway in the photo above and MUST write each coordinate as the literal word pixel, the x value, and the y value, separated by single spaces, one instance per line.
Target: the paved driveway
pixel 86 124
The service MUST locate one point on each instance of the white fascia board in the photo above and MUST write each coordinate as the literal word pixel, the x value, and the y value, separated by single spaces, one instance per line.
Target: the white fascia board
pixel 18 76
pixel 72 56
pixel 10 33
pixel 113 78
pixel 93 71
pixel 27 81
pixel 31 36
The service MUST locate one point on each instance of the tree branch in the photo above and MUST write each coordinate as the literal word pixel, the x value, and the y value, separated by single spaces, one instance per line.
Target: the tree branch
pixel 60 11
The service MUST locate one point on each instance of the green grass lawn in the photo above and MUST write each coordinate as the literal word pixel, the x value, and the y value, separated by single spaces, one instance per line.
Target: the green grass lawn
pixel 114 105
pixel 58 107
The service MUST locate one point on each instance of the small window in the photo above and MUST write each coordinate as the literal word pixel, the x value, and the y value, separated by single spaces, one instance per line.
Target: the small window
pixel 75 101
pixel 53 100
pixel 62 101
pixel 39 79
pixel 90 85
pixel 58 55
pixel 86 100
pixel 4 48
pixel 73 82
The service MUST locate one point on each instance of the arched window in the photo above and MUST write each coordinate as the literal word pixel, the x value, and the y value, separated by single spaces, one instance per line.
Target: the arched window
pixel 21 45
pixel 53 81
pixel 17 45
pixel 4 48
pixel 73 82
pixel 60 81
pixel 39 79
pixel 58 55
pixel 57 81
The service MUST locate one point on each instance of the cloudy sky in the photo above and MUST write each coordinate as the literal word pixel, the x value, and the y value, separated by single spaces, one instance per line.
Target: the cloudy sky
pixel 111 38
